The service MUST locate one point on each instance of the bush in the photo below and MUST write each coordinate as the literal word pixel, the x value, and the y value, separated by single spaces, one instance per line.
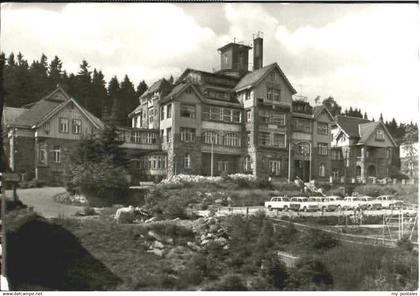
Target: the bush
pixel 34 183
pixel 102 183
pixel 229 282
pixel 321 240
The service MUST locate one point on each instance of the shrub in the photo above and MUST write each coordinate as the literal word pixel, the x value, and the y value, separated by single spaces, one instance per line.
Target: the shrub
pixel 102 183
pixel 275 272
pixel 89 211
pixel 321 240
pixel 229 282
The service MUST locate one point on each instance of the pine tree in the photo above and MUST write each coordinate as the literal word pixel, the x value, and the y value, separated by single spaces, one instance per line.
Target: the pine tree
pixel 112 104
pixel 332 106
pixel 98 93
pixel 129 97
pixel 55 73
pixel 365 116
pixel 141 88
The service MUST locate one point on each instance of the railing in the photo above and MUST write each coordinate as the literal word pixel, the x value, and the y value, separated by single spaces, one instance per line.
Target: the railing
pixel 137 138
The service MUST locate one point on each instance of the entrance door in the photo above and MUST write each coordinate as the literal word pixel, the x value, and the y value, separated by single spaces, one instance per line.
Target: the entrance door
pixel 302 169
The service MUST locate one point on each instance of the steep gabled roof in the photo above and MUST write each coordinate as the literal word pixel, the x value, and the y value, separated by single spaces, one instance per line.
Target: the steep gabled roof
pixel 255 77
pixel 350 125
pixel 366 130
pixel 317 110
pixel 156 86
pixel 48 107
pixel 178 89
pixel 10 114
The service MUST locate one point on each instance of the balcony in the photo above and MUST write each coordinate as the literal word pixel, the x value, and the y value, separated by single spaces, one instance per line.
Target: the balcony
pixel 142 139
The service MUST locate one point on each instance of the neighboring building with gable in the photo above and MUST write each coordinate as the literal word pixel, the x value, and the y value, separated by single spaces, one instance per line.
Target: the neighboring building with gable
pixel 362 150
pixel 43 134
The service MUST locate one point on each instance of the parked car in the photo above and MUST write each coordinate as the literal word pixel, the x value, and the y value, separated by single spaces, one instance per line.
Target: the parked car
pixel 389 202
pixel 319 200
pixel 369 203
pixel 278 202
pixel 349 203
pixel 303 204
pixel 332 203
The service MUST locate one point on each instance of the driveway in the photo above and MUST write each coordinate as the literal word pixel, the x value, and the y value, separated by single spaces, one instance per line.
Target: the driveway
pixel 42 200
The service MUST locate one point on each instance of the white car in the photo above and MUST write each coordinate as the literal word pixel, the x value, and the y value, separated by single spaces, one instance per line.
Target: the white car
pixel 303 204
pixel 332 203
pixel 349 203
pixel 369 203
pixel 389 202
pixel 278 202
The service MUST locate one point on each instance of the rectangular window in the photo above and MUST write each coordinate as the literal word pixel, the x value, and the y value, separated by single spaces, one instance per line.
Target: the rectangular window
pixel 223 165
pixel 335 154
pixel 215 113
pixel 63 125
pixel 269 94
pixel 231 139
pixel 56 154
pixel 275 167
pixel 278 119
pixel 211 137
pixel 388 153
pixel 247 95
pixel 265 117
pixel 276 95
pixel 264 139
pixel 380 135
pixel 151 112
pixel 162 112
pixel 248 138
pixel 227 115
pixel 187 161
pixel 248 115
pixel 187 111
pixel 205 114
pixel 43 155
pixel 169 111
pixel 322 128
pixel 168 134
pixel 302 125
pixel 236 116
pixel 280 140
pixel 187 134
pixel 322 149
pixel 76 126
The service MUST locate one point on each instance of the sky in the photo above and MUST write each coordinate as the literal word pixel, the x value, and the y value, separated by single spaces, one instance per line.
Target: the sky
pixel 364 55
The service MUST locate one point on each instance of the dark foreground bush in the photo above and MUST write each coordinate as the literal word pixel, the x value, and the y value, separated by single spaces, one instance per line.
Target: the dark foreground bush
pixel 46 256
pixel 229 282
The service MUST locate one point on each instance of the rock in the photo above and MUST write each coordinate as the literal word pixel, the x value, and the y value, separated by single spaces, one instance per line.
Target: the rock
pixel 203 237
pixel 125 215
pixel 154 235
pixel 218 201
pixel 193 246
pixel 204 242
pixel 221 240
pixel 214 228
pixel 157 245
pixel 151 220
pixel 226 247
pixel 169 241
pixel 157 252
pixel 209 235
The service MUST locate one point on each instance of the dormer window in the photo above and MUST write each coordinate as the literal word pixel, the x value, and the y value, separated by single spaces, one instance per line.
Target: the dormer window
pixel 76 126
pixel 380 135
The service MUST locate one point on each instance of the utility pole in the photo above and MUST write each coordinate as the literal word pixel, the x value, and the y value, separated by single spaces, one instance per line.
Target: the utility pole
pixel 290 163
pixel 212 156
pixel 3 227
pixel 310 162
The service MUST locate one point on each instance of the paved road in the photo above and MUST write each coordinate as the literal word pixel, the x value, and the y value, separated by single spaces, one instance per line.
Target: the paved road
pixel 41 199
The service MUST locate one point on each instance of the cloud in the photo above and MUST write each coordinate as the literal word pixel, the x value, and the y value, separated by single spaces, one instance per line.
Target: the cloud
pixel 366 56
pixel 367 60
pixel 142 40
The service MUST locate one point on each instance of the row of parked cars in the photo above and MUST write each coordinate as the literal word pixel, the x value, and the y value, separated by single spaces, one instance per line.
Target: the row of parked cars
pixel 333 203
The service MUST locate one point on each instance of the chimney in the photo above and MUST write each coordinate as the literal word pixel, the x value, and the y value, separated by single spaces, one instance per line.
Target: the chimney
pixel 258 52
